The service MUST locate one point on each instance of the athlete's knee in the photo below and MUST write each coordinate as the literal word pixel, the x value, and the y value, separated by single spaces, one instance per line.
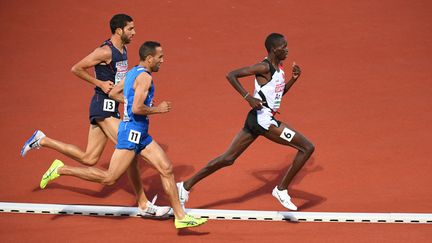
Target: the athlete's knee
pixel 109 179
pixel 166 170
pixel 309 148
pixel 89 159
pixel 226 160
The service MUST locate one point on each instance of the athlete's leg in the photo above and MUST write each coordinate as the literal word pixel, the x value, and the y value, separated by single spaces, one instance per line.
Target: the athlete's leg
pixel 110 127
pixel 134 176
pixel 239 144
pixel 95 145
pixel 156 157
pixel 294 139
pixel 120 161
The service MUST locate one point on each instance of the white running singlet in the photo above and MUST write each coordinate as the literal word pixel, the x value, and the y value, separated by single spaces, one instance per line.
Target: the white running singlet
pixel 271 95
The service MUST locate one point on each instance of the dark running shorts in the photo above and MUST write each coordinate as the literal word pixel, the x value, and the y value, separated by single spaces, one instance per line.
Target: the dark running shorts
pixel 101 107
pixel 253 127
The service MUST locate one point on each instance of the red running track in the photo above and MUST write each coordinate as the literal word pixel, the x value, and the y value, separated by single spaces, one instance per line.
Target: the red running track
pixel 363 99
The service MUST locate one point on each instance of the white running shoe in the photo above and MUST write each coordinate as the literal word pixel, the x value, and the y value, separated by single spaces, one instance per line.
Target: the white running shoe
pixel 153 210
pixel 32 142
pixel 183 194
pixel 284 198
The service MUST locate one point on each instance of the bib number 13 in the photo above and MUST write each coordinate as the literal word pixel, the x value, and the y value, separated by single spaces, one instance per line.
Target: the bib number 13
pixel 109 105
pixel 134 136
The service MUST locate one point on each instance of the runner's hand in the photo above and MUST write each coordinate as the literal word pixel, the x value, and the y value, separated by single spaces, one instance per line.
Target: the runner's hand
pixel 164 106
pixel 106 86
pixel 296 71
pixel 254 102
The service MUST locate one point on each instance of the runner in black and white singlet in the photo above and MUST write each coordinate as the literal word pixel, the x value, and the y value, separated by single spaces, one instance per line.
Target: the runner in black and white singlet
pixel 270 93
pixel 270 86
pixel 110 63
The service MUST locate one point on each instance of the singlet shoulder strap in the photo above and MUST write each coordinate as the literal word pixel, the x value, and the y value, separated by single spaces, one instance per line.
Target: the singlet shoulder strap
pixel 113 48
pixel 272 71
pixel 107 43
pixel 143 69
pixel 110 44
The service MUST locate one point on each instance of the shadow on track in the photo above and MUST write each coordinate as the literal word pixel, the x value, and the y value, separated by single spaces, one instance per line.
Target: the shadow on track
pixel 270 179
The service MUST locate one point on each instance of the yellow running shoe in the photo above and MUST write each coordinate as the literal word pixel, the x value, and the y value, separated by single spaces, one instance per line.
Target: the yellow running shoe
pixel 188 221
pixel 51 173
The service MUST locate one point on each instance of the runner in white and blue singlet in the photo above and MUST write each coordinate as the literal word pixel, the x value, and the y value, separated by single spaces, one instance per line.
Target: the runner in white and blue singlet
pixel 133 130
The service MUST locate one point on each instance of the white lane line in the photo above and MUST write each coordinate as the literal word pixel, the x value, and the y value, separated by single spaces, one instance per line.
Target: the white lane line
pixel 92 210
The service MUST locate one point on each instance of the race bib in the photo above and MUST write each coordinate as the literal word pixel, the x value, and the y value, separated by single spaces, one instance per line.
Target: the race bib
pixel 278 95
pixel 134 136
pixel 287 134
pixel 109 105
pixel 121 70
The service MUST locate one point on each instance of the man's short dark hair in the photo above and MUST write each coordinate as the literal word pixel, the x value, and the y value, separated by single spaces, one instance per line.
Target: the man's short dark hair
pixel 119 21
pixel 272 40
pixel 148 48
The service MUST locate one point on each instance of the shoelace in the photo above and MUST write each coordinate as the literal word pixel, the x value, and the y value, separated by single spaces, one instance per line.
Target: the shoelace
pixel 189 221
pixel 35 144
pixel 152 208
pixel 283 197
pixel 48 173
pixel 183 193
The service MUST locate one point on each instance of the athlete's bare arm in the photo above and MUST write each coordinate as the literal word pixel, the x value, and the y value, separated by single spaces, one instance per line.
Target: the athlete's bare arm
pixel 141 86
pixel 117 92
pixel 233 76
pixel 296 72
pixel 99 55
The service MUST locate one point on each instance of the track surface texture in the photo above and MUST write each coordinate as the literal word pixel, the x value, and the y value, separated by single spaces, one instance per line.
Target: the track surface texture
pixel 364 100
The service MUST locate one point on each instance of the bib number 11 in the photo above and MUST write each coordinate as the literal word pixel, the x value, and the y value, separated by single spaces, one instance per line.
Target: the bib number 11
pixel 134 136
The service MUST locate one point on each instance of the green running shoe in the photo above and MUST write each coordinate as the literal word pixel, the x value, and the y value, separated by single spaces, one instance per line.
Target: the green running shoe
pixel 51 173
pixel 188 221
